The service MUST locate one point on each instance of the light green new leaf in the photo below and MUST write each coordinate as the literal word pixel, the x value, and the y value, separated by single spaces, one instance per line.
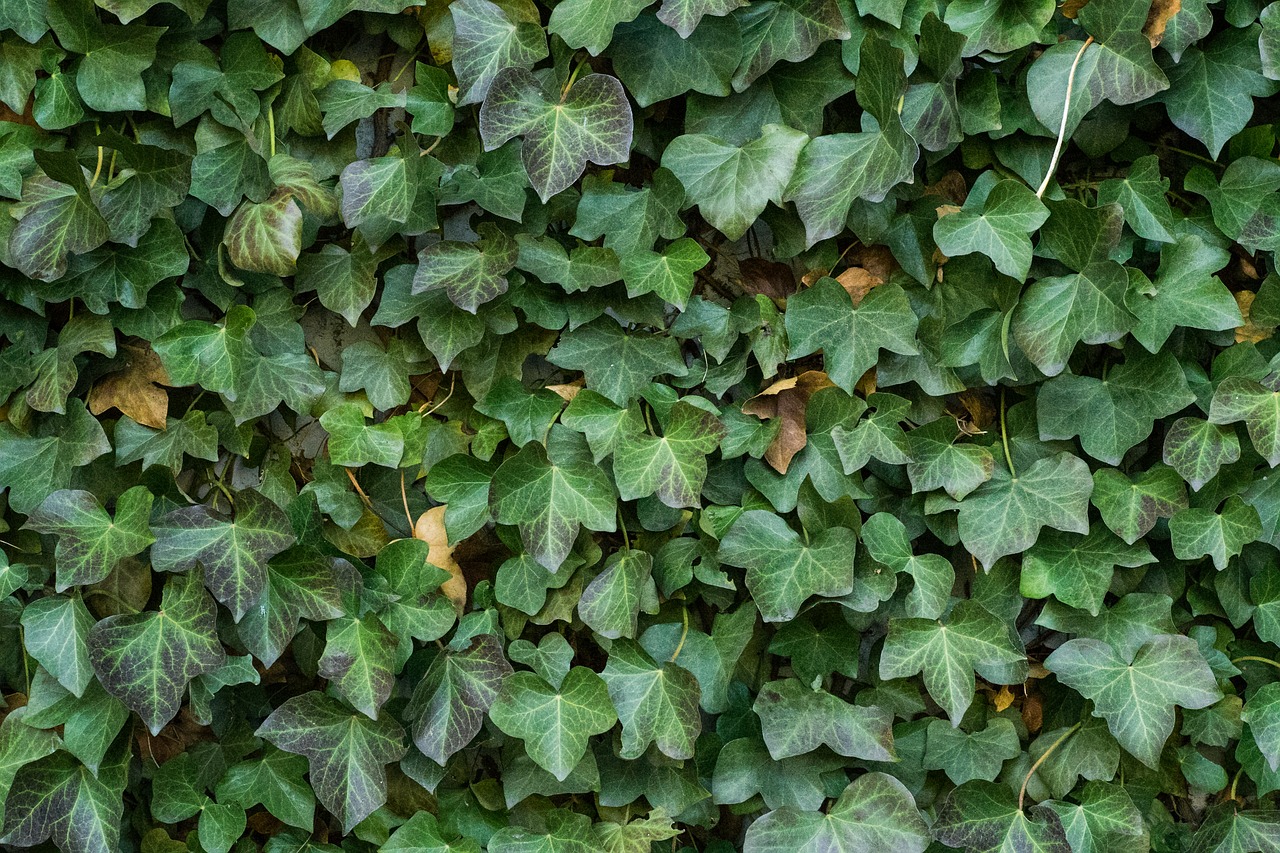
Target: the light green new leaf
pixel 56 634
pixel 346 752
pixel 783 571
pixel 359 659
pixel 796 719
pixel 1197 449
pixel 1199 532
pixel 612 602
pixel 146 659
pixel 948 653
pixel 998 219
pixel 1077 570
pixel 668 273
pixel 579 269
pixel 1113 414
pixel 656 703
pixel 590 23
pixel 823 317
pixel 732 185
pixel 450 702
pixel 550 492
pixel 554 723
pixel 1005 514
pixel 875 812
pixel 1239 398
pixel 590 123
pixel 90 542
pixel 234 553
pixel 1136 696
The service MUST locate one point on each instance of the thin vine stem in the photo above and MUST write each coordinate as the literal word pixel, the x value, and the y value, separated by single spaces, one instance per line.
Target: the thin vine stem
pixel 1004 437
pixel 1062 128
pixel 1022 792
pixel 1256 659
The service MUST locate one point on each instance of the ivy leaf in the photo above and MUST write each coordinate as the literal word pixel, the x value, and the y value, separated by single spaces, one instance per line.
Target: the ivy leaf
pixel 55 219
pixel 354 442
pixel 20 745
pixel 344 280
pixel 1058 312
pixel 591 122
pixel 875 812
pixel 683 16
pixel 673 466
pixel 565 832
pixel 488 38
pixel 1230 829
pixel 233 552
pixel 1243 202
pixel 147 659
pixel 782 570
pixel 611 603
pixel 1131 507
pixel 796 720
pixel 784 31
pixel 471 274
pixel 450 702
pixel 109 77
pixel 1185 293
pixel 1077 570
pixel 1262 713
pixel 359 659
pixel 590 23
pixel 630 219
pixel 971 755
pixel 887 542
pixel 346 752
pixel 732 185
pixel 1113 414
pixel 60 799
pixel 274 781
pixel 554 723
pixel 850 336
pixel 1197 449
pixel 266 237
pixel 90 542
pixel 1004 515
pixel 1239 398
pixel 56 633
pixel 617 362
pixel 33 467
pixel 550 492
pixel 300 584
pixel 1198 532
pixel 656 63
pixel 581 269
pixel 997 220
pixel 668 273
pixel 656 703
pixel 940 460
pixel 1104 817
pixel 998 27
pixel 949 653
pixel 1142 195
pixel 985 817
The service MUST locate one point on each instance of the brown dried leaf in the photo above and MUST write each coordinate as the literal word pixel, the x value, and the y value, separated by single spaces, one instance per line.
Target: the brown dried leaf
pixel 857 282
pixel 568 391
pixel 978 413
pixel 430 529
pixel 134 390
pixel 1071 8
pixel 950 186
pixel 787 399
pixel 768 278
pixel 1250 332
pixel 1162 11
pixel 1002 699
pixel 866 384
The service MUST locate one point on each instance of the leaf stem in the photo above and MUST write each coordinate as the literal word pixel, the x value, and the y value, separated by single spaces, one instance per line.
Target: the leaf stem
pixel 271 128
pixel 1234 780
pixel 1022 793
pixel 573 77
pixel 97 169
pixel 1004 437
pixel 1256 659
pixel 1062 128
pixel 626 537
pixel 684 633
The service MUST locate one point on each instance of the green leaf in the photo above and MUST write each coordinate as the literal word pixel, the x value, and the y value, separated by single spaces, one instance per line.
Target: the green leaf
pixel 359 660
pixel 346 752
pixel 300 585
pixel 192 436
pixel 54 220
pixel 56 634
pixel 450 702
pixel 1199 532
pixel 1243 202
pixel 971 640
pixel 1197 449
pixel 971 755
pixel 1185 293
pixel 1113 414
pixel 549 493
pixel 346 101
pixel 266 237
pixel 109 77
pixel 20 745
pixel 850 336
pixel 673 466
pixel 471 274
pixel 224 174
pixel 783 570
pixel 731 185
pixel 984 817
pixel 887 542
pixel 656 703
pixel 591 122
pixel 35 466
pixel 354 442
pixel 582 268
pixel 998 27
pixel 1078 569
pixel 1262 713
pixel 90 542
pixel 656 63
pixel 554 723
pixel 617 362
pixel 611 603
pixel 668 273
pixel 1105 816
pixel 1141 193
pixel 233 552
pixel 997 220
pixel 590 23
pixel 1230 829
pixel 784 31
pixel 1136 695
pixel 1131 507
pixel 940 460
pixel 1005 514
pixel 1058 312
pixel 795 720
pixel 565 832
pixel 59 799
pixel 683 16
pixel 146 659
pixel 630 219
pixel 344 280
pixel 422 834
pixel 875 812
pixel 1239 398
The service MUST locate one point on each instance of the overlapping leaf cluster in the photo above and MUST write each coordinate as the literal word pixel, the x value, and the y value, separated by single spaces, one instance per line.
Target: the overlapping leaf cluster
pixel 701 425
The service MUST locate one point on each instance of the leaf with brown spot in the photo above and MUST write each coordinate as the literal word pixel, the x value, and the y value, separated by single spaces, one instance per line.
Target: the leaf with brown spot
pixel 134 389
pixel 1250 331
pixel 430 529
pixel 858 281
pixel 788 400
pixel 769 278
pixel 1162 11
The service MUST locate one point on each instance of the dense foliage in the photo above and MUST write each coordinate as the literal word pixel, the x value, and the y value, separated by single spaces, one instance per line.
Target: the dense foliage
pixel 604 425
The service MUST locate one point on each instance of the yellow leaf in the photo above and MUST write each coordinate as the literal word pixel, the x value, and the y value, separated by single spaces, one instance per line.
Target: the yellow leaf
pixel 430 529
